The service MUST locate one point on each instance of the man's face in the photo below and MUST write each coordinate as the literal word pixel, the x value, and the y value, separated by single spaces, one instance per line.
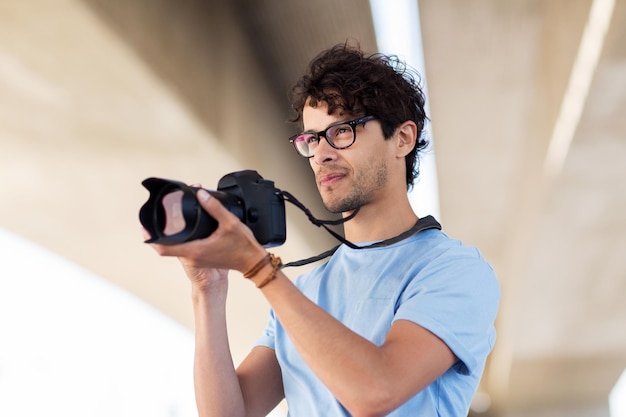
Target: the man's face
pixel 352 177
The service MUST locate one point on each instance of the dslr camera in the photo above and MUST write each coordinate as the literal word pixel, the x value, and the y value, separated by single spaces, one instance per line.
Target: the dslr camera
pixel 173 215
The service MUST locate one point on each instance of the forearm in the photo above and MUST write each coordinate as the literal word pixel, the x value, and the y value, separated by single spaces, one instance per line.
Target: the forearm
pixel 217 388
pixel 323 342
pixel 371 380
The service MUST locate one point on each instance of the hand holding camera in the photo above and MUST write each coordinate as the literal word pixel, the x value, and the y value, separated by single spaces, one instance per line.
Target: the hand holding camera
pixel 230 246
pixel 172 214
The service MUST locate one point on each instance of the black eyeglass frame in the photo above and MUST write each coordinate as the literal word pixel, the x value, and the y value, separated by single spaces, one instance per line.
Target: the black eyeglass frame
pixel 323 133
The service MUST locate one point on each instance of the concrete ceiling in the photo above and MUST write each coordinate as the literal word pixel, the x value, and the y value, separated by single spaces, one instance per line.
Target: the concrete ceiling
pixel 98 95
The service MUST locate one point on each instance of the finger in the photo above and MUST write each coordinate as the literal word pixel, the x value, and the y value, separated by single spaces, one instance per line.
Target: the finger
pixel 180 249
pixel 213 206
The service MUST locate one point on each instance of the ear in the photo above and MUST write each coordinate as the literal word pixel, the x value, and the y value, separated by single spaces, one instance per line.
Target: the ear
pixel 405 138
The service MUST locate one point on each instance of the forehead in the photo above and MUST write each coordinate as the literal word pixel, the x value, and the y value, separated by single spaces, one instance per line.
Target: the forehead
pixel 317 118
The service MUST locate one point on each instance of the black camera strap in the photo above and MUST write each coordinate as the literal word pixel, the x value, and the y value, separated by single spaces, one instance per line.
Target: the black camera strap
pixel 423 223
pixel 287 196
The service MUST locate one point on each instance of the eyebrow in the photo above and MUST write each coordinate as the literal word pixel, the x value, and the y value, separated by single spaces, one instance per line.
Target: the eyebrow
pixel 338 122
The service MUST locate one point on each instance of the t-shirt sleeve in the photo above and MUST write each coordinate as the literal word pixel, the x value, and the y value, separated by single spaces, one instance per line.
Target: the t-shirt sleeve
pixel 456 298
pixel 268 337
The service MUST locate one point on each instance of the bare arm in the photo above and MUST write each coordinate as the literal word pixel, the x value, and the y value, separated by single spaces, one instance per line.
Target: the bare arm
pixel 372 380
pixel 261 381
pixel 216 384
pixel 256 388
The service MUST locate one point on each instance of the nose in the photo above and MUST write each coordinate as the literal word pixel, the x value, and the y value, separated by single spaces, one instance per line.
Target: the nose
pixel 324 152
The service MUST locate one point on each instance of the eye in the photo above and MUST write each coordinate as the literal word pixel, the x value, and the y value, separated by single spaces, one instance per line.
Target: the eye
pixel 309 139
pixel 340 132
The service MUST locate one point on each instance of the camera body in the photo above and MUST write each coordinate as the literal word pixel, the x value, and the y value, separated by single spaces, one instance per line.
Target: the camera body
pixel 263 208
pixel 172 214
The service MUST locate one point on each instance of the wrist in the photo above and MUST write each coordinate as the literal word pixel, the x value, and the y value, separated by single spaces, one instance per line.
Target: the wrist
pixel 264 270
pixel 210 289
pixel 251 258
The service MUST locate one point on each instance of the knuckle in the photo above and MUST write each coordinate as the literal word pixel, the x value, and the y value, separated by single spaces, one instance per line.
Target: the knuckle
pixel 230 224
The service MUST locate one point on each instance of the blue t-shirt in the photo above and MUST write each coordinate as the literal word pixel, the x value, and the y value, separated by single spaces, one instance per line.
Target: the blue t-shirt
pixel 429 279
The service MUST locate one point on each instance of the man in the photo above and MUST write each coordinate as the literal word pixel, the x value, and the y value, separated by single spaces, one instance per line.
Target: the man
pixel 401 327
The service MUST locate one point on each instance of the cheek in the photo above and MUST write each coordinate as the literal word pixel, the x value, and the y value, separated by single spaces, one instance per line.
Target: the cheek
pixel 373 173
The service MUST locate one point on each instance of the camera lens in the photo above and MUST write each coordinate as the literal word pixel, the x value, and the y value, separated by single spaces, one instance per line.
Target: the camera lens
pixel 173 215
pixel 173 212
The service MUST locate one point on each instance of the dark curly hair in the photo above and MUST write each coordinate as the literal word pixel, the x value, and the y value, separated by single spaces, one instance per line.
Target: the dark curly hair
pixel 353 83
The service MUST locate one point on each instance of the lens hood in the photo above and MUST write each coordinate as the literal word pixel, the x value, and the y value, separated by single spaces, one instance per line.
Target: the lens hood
pixel 191 221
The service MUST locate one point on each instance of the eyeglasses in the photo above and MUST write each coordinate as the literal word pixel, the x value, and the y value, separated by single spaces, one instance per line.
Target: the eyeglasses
pixel 340 135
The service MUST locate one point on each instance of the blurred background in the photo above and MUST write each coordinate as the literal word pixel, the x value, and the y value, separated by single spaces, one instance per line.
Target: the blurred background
pixel 527 100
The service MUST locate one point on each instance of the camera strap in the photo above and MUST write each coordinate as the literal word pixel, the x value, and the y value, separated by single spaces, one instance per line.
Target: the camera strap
pixel 423 223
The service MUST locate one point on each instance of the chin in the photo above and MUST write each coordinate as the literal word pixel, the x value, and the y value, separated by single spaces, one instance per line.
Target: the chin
pixel 332 206
pixel 341 203
pixel 339 207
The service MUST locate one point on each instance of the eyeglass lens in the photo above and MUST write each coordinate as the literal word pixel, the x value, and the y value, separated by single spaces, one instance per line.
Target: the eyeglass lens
pixel 338 136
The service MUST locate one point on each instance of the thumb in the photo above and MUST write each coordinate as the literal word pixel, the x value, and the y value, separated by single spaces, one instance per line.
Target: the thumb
pixel 212 205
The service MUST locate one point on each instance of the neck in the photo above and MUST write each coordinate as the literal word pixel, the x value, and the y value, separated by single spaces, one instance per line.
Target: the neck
pixel 374 222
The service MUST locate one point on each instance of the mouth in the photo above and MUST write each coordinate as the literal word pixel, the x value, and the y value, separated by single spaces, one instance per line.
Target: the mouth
pixel 329 179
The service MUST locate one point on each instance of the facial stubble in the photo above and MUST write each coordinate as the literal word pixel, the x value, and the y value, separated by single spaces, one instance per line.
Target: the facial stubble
pixel 365 186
